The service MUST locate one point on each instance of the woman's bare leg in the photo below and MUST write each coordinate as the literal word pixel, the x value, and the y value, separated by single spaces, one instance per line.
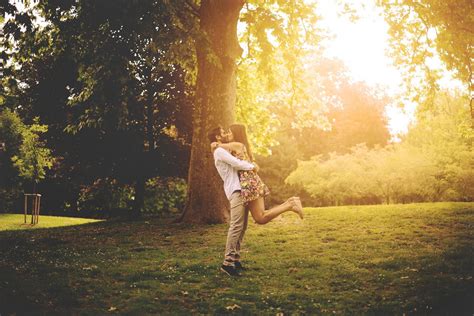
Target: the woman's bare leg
pixel 262 216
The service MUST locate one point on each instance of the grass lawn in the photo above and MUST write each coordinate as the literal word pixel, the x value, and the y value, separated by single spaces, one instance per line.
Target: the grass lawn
pixel 378 260
pixel 16 221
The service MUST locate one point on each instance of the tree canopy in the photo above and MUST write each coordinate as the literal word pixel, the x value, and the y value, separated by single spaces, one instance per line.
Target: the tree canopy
pixel 422 30
pixel 110 80
pixel 123 93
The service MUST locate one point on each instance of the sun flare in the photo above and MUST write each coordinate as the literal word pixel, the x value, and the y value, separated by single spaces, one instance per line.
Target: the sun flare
pixel 362 44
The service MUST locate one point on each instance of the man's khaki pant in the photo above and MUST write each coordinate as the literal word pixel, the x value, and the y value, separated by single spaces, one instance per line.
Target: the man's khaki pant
pixel 239 216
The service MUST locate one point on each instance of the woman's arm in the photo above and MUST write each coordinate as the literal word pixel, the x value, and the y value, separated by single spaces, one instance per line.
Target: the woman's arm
pixel 230 147
pixel 225 156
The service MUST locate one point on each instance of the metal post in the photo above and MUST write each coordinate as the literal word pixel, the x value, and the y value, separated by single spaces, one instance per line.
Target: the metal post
pixel 26 206
pixel 38 199
pixel 35 207
pixel 33 210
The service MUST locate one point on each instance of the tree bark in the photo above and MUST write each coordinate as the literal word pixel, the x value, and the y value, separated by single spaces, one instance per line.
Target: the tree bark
pixel 217 52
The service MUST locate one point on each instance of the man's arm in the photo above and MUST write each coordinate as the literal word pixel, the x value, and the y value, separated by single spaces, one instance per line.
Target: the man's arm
pixel 223 155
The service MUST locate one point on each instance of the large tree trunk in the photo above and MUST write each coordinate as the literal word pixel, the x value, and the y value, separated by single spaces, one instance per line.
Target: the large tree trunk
pixel 216 52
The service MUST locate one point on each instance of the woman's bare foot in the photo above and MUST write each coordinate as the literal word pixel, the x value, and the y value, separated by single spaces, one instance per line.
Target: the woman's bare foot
pixel 296 205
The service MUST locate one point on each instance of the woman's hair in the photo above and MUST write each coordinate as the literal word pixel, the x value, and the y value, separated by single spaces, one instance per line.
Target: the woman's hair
pixel 240 135
pixel 213 133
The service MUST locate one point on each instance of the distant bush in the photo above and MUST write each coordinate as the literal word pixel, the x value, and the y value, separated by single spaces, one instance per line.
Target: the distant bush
pixel 397 174
pixel 435 162
pixel 105 197
pixel 109 198
pixel 164 195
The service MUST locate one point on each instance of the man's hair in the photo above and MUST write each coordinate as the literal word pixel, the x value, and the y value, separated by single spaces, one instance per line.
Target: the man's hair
pixel 213 133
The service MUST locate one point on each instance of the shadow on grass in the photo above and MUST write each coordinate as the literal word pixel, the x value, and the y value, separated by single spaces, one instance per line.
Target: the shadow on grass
pixel 36 264
pixel 439 284
pixel 153 267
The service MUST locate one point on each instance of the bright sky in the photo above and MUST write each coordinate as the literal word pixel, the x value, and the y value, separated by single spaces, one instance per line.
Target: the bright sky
pixel 363 46
pixel 360 44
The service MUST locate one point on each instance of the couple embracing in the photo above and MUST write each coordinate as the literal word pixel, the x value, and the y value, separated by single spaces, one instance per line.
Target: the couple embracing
pixel 244 189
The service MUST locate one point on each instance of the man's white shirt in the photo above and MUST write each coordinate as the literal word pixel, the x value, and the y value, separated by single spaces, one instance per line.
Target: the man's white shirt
pixel 228 166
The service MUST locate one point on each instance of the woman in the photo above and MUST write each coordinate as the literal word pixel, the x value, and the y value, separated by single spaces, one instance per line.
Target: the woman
pixel 253 189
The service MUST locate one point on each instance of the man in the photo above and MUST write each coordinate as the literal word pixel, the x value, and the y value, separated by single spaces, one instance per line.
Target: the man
pixel 228 166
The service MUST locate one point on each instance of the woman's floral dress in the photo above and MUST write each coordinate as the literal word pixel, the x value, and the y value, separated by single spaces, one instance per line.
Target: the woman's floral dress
pixel 252 186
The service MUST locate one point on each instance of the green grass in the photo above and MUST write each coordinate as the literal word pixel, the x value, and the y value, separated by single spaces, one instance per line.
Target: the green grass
pixel 17 221
pixel 376 260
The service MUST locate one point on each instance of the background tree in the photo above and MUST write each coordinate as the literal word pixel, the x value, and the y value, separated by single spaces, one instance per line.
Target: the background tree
pixel 354 114
pixel 433 163
pixel 114 78
pixel 11 128
pixel 422 30
pixel 34 157
pixel 217 53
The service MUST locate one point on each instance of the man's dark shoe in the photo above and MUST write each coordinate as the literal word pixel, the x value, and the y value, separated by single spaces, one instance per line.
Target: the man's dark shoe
pixel 230 270
pixel 239 266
